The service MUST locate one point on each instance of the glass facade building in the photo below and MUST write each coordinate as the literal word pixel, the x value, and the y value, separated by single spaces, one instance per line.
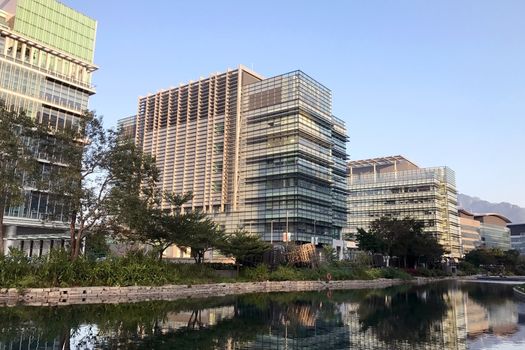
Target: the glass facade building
pixel 395 187
pixel 484 230
pixel 46 63
pixel 494 231
pixel 517 237
pixel 266 155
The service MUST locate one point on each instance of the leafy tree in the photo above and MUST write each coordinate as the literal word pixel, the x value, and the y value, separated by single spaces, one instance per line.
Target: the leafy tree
pixel 426 249
pixel 84 181
pixel 97 245
pixel 492 257
pixel 402 238
pixel 370 241
pixel 201 236
pixel 244 247
pixel 19 137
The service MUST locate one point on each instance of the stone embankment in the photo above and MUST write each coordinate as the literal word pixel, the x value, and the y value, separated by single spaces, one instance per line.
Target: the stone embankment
pixel 113 295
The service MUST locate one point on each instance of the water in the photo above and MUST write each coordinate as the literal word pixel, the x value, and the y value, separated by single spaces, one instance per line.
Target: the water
pixel 437 316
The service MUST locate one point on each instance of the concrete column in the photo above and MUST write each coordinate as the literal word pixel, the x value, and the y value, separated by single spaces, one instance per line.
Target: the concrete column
pixel 46 246
pixel 10 238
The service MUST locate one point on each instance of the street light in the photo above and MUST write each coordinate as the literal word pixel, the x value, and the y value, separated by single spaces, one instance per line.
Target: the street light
pixel 271 232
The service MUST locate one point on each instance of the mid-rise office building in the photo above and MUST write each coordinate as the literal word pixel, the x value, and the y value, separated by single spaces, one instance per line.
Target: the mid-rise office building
pixel 517 237
pixel 470 231
pixel 397 188
pixel 483 230
pixel 266 155
pixel 46 63
pixel 494 231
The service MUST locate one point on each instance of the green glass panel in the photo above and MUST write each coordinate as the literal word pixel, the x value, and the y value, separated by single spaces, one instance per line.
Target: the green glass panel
pixel 56 25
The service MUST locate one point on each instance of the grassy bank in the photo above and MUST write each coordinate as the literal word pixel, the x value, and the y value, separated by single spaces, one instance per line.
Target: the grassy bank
pixel 19 271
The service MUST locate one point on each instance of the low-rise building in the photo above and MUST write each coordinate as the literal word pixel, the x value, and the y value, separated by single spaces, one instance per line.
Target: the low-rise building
pixel 493 230
pixel 517 237
pixel 483 230
pixel 470 231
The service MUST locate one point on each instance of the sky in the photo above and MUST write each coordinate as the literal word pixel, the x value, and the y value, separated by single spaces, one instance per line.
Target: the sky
pixel 440 82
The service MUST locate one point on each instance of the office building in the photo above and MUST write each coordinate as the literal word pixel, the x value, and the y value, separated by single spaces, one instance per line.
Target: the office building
pixel 265 155
pixel 494 231
pixel 470 231
pixel 46 63
pixel 517 237
pixel 483 230
pixel 397 188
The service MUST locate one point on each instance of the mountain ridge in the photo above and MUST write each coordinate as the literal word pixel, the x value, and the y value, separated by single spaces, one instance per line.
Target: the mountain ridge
pixel 513 212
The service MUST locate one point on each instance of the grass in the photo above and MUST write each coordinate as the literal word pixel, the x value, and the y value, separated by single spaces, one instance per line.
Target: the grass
pixel 55 270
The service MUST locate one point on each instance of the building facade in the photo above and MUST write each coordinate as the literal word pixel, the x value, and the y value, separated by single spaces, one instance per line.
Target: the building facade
pixel 517 237
pixel 264 155
pixel 494 231
pixel 397 188
pixel 470 231
pixel 46 63
pixel 484 230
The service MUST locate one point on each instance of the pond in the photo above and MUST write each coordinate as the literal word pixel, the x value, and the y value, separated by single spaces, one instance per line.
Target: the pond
pixel 436 316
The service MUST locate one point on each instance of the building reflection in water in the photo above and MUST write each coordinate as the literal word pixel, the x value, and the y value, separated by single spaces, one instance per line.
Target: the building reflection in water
pixel 440 316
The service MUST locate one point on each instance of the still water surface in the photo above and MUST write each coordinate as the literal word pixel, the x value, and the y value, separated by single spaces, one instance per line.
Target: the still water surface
pixel 437 316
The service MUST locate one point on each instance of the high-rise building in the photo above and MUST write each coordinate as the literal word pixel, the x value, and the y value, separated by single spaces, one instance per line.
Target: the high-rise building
pixel 265 155
pixel 517 237
pixel 397 188
pixel 46 63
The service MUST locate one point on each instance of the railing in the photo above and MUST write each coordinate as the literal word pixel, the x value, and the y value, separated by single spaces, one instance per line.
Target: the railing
pixel 49 72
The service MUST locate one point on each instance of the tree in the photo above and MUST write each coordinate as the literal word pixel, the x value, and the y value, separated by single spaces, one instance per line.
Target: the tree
pixel 426 249
pixel 369 241
pixel 401 238
pixel 97 245
pixel 244 247
pixel 202 235
pixel 494 257
pixel 84 176
pixel 19 168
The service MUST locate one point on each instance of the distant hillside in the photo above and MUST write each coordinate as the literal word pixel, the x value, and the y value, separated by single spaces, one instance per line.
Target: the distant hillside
pixel 515 213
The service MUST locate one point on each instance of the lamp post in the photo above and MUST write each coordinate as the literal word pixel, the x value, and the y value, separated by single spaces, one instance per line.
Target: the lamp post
pixel 271 232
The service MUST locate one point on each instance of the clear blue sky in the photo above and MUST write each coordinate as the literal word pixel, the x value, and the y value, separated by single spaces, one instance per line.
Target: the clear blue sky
pixel 440 82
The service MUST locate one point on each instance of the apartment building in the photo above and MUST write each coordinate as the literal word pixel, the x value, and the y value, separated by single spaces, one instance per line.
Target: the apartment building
pixel 46 64
pixel 395 187
pixel 265 155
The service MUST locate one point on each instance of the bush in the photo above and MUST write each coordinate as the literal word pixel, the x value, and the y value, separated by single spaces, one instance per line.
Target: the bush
pixel 259 273
pixel 286 273
pixel 468 268
pixel 392 273
pixel 139 268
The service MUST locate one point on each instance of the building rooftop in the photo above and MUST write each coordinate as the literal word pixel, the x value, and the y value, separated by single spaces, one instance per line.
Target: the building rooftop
pixel 379 161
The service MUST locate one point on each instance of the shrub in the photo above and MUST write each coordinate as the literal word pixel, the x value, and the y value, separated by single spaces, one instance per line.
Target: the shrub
pixel 259 273
pixel 392 273
pixel 468 268
pixel 286 273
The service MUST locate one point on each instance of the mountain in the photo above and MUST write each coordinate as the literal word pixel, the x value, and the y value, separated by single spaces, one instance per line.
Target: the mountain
pixel 513 212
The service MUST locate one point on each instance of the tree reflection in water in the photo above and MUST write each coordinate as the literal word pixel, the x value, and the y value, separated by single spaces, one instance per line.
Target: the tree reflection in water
pixel 404 314
pixel 407 317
